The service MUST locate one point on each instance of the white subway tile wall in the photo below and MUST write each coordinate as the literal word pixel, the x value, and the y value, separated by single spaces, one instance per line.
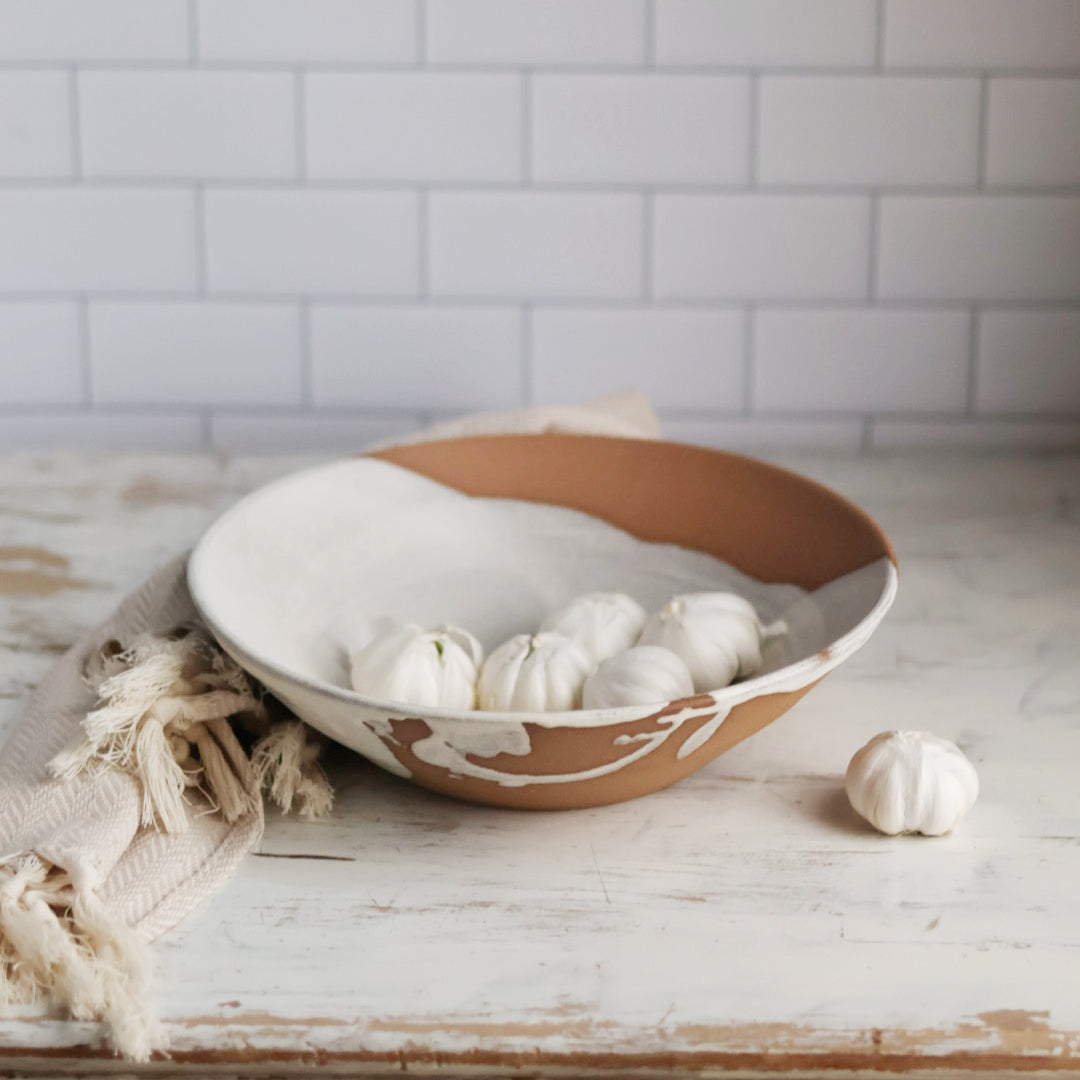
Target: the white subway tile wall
pixel 45 31
pixel 683 359
pixel 767 33
pixel 1028 361
pixel 420 126
pixel 427 357
pixel 268 32
pixel 1033 135
pixel 618 129
pixel 865 129
pixel 535 244
pixel 532 33
pixel 91 239
pixel 192 353
pixel 39 354
pixel 311 240
pixel 190 124
pixel 861 360
pixel 761 246
pixel 35 124
pixel 979 247
pixel 276 225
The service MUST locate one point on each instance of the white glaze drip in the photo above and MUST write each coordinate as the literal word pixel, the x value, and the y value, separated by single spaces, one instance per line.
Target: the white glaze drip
pixel 703 734
pixel 437 750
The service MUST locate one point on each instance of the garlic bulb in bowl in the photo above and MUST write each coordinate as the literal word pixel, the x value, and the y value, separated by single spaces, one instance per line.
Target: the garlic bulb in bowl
pixel 542 672
pixel 911 781
pixel 643 675
pixel 718 636
pixel 404 662
pixel 602 623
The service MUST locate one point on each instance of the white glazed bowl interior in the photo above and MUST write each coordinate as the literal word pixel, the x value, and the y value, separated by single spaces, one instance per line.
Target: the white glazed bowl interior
pixel 288 575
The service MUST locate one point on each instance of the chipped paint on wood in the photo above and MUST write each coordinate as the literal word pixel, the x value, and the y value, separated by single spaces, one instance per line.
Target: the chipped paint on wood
pixel 147 491
pixel 33 571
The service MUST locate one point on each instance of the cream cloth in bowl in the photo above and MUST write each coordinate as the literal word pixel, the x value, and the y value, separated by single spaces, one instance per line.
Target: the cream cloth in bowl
pixel 126 798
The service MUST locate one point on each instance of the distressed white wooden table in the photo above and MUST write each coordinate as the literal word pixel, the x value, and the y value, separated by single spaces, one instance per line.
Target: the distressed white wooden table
pixel 741 922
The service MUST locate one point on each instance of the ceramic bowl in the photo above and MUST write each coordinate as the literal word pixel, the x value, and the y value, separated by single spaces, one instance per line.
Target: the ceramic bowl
pixel 269 575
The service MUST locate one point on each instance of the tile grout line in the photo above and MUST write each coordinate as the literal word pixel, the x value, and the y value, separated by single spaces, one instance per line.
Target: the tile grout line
pixel 199 220
pixel 647 285
pixel 75 142
pixel 423 266
pixel 790 415
pixel 749 365
pixel 206 427
pixel 972 361
pixel 879 36
pixel 855 71
pixel 86 370
pixel 866 438
pixel 307 367
pixel 874 229
pixel 753 115
pixel 1040 193
pixel 526 354
pixel 300 122
pixel 526 127
pixel 193 32
pixel 844 302
pixel 421 32
pixel 983 135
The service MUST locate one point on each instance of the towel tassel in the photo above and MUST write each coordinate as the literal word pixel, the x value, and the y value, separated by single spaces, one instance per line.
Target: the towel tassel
pixel 60 942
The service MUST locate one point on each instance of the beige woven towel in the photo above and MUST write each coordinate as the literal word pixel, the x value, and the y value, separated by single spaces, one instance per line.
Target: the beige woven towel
pixel 89 873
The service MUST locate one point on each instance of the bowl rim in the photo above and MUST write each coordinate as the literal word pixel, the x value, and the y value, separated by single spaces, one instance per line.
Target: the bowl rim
pixel 791 676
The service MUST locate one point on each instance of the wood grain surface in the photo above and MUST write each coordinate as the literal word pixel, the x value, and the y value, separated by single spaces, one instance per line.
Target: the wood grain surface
pixel 743 922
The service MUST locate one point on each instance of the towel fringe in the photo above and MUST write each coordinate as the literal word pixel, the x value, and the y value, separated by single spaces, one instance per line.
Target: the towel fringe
pixel 285 761
pixel 162 715
pixel 59 943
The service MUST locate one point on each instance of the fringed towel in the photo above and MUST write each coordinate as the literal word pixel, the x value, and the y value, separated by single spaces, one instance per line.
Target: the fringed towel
pixel 134 784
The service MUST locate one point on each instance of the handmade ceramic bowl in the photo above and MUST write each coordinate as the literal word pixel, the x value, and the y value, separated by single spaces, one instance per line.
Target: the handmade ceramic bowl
pixel 274 573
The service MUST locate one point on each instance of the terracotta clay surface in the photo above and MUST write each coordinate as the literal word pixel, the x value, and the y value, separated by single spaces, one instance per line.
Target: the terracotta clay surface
pixel 761 522
pixel 771 523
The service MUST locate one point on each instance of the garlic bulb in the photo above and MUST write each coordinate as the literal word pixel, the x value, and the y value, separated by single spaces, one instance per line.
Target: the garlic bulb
pixel 534 673
pixel 603 623
pixel 406 663
pixel 911 781
pixel 645 675
pixel 718 635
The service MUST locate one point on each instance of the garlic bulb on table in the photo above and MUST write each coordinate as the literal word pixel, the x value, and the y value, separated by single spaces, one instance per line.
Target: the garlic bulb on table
pixel 541 672
pixel 644 675
pixel 406 663
pixel 718 635
pixel 911 781
pixel 602 623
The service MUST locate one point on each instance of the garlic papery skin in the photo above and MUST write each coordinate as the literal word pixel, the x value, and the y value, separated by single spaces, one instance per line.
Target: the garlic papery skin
pixel 406 663
pixel 643 675
pixel 911 782
pixel 542 672
pixel 717 635
pixel 602 623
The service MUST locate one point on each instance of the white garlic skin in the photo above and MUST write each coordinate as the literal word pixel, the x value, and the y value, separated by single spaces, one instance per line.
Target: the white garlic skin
pixel 911 782
pixel 717 635
pixel 602 623
pixel 643 675
pixel 542 672
pixel 404 662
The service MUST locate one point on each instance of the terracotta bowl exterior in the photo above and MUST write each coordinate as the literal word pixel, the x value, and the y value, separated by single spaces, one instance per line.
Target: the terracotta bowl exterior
pixel 767 522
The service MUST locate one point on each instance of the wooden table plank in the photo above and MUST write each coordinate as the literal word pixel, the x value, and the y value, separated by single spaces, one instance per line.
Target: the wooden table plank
pixel 743 919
